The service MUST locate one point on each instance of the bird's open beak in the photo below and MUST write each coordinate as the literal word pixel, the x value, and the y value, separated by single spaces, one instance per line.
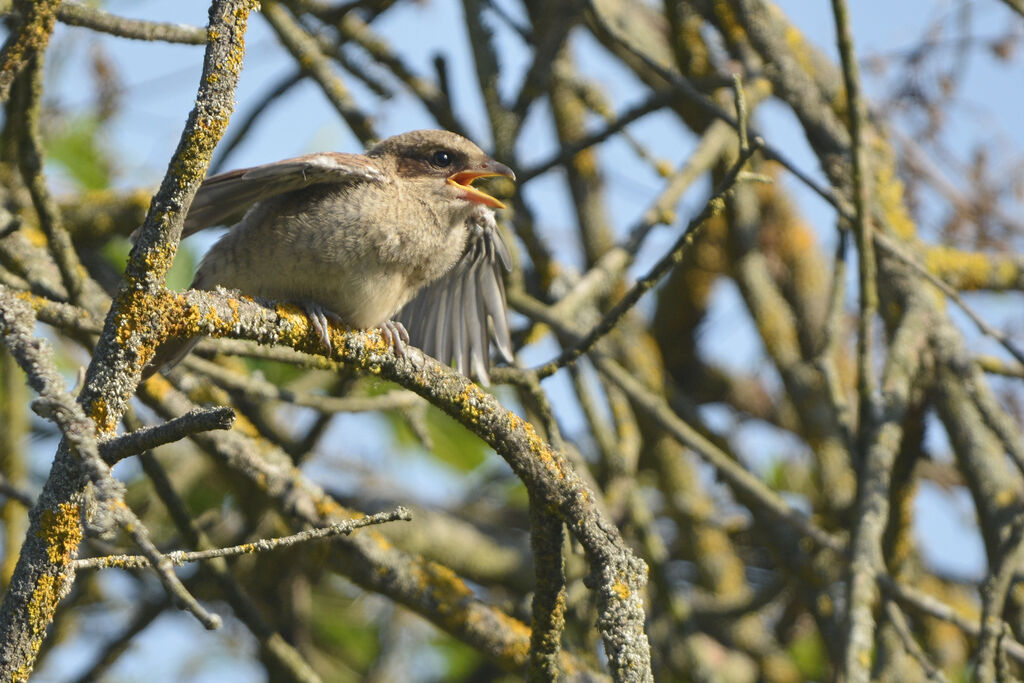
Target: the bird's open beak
pixel 464 181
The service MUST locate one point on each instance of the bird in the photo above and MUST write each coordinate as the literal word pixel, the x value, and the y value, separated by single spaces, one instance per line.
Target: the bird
pixel 397 238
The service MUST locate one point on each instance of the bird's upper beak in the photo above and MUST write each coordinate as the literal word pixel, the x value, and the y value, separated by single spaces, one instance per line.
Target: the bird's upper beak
pixel 463 180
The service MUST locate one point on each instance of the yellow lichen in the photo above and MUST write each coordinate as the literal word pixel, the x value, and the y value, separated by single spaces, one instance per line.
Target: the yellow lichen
pixel 34 235
pixel 43 604
pixel 61 530
pixel 99 411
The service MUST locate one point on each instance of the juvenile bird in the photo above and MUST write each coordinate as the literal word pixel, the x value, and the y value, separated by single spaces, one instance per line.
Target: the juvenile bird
pixel 398 235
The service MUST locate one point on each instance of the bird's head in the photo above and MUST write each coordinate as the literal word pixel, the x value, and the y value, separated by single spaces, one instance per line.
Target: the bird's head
pixel 444 162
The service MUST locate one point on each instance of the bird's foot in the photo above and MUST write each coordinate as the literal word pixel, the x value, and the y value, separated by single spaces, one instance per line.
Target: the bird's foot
pixel 394 333
pixel 318 317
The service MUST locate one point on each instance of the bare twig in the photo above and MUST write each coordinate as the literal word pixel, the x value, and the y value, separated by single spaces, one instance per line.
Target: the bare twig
pixel 145 614
pixel 239 131
pixel 144 439
pixel 35 358
pixel 883 443
pixel 891 247
pixel 180 557
pixel 353 28
pixel 274 646
pixel 15 492
pixel 993 602
pixel 867 270
pixel 261 390
pixel 654 102
pixel 644 284
pixel 306 51
pixel 30 159
pixel 918 600
pixel 899 622
pixel 77 14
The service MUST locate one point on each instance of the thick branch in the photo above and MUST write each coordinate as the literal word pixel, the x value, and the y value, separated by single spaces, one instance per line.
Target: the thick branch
pixel 41 578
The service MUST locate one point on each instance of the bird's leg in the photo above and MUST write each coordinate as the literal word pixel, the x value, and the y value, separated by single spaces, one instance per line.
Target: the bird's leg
pixel 318 317
pixel 395 334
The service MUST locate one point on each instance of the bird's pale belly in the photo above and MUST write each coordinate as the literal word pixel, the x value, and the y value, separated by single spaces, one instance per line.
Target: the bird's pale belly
pixel 361 301
pixel 368 301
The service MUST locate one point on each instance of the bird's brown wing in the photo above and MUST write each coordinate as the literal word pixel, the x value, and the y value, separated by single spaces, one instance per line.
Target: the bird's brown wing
pixel 455 317
pixel 224 199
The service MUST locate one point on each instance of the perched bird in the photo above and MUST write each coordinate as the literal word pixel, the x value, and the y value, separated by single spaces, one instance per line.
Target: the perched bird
pixel 398 235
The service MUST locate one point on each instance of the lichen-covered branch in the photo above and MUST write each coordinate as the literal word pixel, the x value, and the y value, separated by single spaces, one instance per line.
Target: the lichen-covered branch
pixel 619 576
pixel 77 14
pixel 36 587
pixel 426 587
pixel 31 33
pixel 41 577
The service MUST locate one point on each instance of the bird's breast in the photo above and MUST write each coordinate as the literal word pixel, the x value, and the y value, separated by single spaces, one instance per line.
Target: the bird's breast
pixel 362 252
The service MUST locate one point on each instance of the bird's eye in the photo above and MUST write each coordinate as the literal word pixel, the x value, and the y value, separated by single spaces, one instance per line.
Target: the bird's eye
pixel 441 159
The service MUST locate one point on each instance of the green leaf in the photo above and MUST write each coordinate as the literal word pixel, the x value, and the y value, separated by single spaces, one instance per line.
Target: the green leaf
pixel 460 658
pixel 77 147
pixel 809 655
pixel 453 443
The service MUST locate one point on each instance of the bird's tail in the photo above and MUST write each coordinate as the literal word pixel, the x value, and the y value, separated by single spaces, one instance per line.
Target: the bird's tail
pixel 169 354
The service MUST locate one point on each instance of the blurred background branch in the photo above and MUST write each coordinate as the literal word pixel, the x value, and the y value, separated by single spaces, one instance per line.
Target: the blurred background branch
pixel 817 458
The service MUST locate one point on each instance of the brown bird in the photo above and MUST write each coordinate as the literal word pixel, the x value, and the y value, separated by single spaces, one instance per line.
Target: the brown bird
pixel 398 235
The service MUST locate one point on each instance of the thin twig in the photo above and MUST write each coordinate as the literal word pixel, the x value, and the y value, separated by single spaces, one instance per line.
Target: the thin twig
pixel 306 52
pixel 993 602
pixel 144 615
pixel 180 557
pixel 36 358
pixel 916 599
pixel 244 125
pixel 221 417
pixel 353 28
pixel 756 494
pixel 890 246
pixel 274 646
pixel 30 161
pixel 77 14
pixel 597 281
pixel 15 492
pixel 867 270
pixel 688 90
pixel 825 361
pixel 863 568
pixel 881 443
pixel 653 103
pixel 648 281
pixel 262 390
pixel 899 622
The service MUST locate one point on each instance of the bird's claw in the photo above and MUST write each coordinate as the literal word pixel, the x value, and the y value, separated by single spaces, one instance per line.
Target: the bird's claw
pixel 318 317
pixel 394 333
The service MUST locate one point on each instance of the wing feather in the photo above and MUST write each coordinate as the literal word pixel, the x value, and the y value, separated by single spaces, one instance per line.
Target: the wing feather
pixel 458 316
pixel 224 199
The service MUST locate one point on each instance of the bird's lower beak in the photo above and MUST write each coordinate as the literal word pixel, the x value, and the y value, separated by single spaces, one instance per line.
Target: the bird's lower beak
pixel 463 180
